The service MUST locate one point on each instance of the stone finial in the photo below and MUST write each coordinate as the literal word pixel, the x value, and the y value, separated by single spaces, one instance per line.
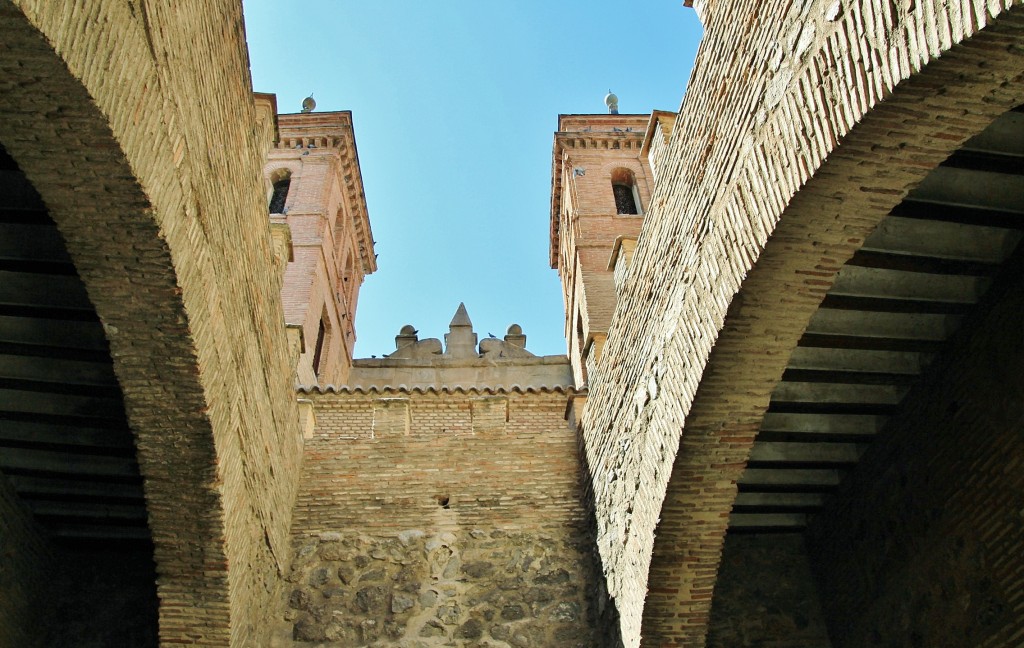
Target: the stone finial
pixel 460 340
pixel 461 317
pixel 513 346
pixel 515 337
pixel 406 337
pixel 612 102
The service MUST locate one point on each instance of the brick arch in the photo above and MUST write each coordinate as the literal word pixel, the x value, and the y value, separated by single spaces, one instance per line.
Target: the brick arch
pixel 155 186
pixel 783 97
pixel 633 169
pixel 106 220
pixel 893 147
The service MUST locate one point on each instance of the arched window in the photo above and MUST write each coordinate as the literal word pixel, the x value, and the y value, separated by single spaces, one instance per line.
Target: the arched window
pixel 280 195
pixel 627 201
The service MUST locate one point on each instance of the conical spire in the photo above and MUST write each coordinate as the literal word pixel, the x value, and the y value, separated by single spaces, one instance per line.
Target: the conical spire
pixel 460 340
pixel 461 317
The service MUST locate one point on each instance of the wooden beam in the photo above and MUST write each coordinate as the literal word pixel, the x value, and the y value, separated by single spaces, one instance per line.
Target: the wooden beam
pixel 66 531
pixel 802 392
pixel 852 342
pixel 855 281
pixel 101 409
pixel 806 453
pixel 114 438
pixel 824 424
pixel 806 479
pixel 967 188
pixel 778 502
pixel 89 510
pixel 25 461
pixel 911 208
pixel 43 290
pixel 57 371
pixel 1005 135
pixel 45 333
pixel 940 240
pixel 767 521
pixel 32 242
pixel 71 489
pixel 890 305
pixel 889 362
pixel 899 326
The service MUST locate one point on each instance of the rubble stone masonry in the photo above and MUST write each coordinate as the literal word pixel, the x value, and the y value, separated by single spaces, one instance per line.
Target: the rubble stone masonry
pixel 447 516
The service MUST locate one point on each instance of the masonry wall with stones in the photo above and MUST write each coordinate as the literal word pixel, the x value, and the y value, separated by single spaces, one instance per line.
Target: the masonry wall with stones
pixel 784 95
pixel 924 544
pixel 440 516
pixel 135 121
pixel 25 571
pixel 766 595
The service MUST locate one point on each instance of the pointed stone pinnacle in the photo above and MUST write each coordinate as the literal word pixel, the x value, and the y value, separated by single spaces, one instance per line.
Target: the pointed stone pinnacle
pixel 461 317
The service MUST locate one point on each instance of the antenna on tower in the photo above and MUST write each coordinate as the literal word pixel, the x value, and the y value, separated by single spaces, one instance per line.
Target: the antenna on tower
pixel 612 102
pixel 308 104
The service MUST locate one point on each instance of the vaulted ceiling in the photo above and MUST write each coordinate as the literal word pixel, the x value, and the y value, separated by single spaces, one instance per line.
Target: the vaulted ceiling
pixel 65 444
pixel 892 307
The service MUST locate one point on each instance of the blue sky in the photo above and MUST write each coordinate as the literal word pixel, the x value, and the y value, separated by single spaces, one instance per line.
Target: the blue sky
pixel 455 104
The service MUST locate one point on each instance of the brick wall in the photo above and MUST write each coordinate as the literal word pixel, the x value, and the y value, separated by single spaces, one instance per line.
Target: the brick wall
pixel 766 595
pixel 776 88
pixel 25 561
pixel 331 239
pixel 102 596
pixel 135 122
pixel 924 545
pixel 441 516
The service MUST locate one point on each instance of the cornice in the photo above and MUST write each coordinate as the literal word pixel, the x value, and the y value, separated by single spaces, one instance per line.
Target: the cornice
pixel 584 137
pixel 333 131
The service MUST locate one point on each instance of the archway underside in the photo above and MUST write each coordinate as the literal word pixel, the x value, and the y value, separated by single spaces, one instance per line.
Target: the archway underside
pixel 54 131
pixel 799 391
pixel 65 444
pixel 891 309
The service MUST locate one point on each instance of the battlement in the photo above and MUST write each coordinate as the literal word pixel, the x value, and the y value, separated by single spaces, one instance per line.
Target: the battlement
pixel 463 361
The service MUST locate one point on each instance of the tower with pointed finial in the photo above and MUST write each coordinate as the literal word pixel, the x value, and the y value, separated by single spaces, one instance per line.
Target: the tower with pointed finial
pixel 601 185
pixel 317 206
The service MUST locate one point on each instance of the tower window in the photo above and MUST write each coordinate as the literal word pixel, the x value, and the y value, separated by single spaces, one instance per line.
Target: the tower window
pixel 280 195
pixel 319 348
pixel 627 200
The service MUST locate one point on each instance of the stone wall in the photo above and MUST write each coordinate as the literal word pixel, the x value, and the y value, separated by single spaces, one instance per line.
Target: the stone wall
pixel 135 122
pixel 777 87
pixel 25 564
pixel 924 545
pixel 766 595
pixel 440 517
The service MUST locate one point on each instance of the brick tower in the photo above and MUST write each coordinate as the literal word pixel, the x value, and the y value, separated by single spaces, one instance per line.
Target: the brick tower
pixel 600 187
pixel 315 188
